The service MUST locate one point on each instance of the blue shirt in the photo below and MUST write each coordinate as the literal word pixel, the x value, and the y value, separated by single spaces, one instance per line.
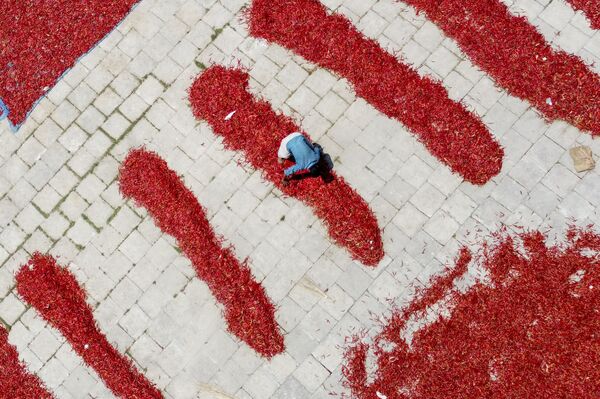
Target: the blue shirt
pixel 304 154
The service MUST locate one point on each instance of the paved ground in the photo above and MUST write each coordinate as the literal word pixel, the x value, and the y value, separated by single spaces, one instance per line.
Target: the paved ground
pixel 58 194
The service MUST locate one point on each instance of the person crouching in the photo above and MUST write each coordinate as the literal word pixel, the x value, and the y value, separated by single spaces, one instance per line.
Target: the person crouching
pixel 305 155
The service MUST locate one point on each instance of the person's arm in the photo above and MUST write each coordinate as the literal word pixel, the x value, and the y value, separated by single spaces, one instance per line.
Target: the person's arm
pixel 289 172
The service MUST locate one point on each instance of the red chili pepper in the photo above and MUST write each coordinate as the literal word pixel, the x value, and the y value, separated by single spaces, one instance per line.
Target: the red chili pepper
pixel 530 331
pixel 518 57
pixel 55 293
pixel 15 380
pixel 40 40
pixel 256 131
pixel 250 315
pixel 591 8
pixel 450 132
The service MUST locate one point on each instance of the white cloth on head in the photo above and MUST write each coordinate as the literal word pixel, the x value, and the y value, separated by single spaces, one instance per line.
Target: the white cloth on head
pixel 283 151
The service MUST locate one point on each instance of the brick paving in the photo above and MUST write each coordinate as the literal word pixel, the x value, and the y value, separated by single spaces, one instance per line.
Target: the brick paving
pixel 58 194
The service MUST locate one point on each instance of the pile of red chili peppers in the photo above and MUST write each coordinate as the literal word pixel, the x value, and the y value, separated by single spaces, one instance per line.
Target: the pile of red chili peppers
pixel 15 380
pixel 518 57
pixel 40 40
pixel 450 132
pixel 591 9
pixel 532 330
pixel 256 131
pixel 250 315
pixel 60 300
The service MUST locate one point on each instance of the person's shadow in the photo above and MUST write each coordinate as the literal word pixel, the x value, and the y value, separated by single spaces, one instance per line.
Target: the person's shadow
pixel 325 168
